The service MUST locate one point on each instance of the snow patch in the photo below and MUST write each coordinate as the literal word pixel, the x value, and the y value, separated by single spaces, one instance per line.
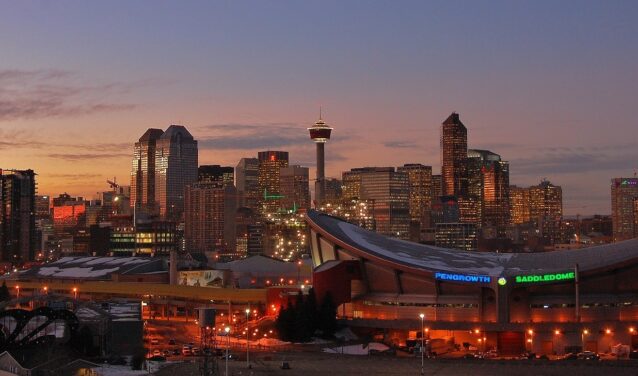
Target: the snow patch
pixel 356 349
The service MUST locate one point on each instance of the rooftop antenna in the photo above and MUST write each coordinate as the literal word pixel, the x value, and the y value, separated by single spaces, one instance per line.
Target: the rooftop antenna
pixel 320 112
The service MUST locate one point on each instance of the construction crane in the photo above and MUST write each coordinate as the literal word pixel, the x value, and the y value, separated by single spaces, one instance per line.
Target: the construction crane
pixel 113 184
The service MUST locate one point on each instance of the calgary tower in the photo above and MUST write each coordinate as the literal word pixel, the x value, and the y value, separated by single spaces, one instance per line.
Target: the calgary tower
pixel 320 133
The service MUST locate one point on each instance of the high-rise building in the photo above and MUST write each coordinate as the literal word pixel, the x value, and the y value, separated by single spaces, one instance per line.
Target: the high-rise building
pixel 176 168
pixel 546 209
pixel 295 188
pixel 143 172
pixel 453 156
pixel 351 181
pixel 17 215
pixel 42 207
pixel 216 174
pixel 420 182
pixel 333 193
pixel 209 217
pixel 390 191
pixel 488 180
pixel 437 188
pixel 247 182
pixel 519 205
pixel 320 134
pixel 461 236
pixel 624 193
pixel 470 209
pixel 270 164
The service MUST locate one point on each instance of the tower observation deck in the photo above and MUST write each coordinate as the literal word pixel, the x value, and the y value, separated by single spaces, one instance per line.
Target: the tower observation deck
pixel 320 133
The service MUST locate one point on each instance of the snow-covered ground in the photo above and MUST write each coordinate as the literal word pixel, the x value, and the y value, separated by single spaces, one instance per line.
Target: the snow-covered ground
pixel 108 370
pixel 346 334
pixel 356 349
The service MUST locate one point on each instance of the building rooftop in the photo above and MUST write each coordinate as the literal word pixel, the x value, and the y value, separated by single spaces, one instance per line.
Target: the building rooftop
pixel 453 119
pixel 151 134
pixel 94 268
pixel 174 130
pixel 422 257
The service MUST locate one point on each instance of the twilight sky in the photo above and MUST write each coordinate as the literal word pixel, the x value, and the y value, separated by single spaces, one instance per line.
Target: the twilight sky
pixel 548 85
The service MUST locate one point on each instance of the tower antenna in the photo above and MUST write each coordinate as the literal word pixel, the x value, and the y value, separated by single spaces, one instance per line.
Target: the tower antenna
pixel 320 112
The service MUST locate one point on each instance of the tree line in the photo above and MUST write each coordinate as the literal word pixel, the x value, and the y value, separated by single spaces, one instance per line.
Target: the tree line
pixel 303 318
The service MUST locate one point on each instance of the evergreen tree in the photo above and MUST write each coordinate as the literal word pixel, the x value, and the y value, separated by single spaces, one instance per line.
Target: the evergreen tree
pixel 328 316
pixel 285 322
pixel 5 295
pixel 303 325
pixel 312 309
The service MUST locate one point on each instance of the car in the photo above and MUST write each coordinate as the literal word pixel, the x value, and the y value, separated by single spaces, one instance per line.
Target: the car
pixel 171 342
pixel 154 342
pixel 230 356
pixel 157 358
pixel 195 351
pixel 569 356
pixel 469 356
pixel 186 352
pixel 157 353
pixel 588 355
pixel 166 353
pixel 186 347
pixel 176 352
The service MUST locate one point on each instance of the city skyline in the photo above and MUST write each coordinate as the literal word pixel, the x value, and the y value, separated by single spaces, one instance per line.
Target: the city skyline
pixel 73 113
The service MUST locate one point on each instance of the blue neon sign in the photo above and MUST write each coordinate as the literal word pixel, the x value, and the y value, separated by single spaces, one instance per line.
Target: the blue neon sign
pixel 462 277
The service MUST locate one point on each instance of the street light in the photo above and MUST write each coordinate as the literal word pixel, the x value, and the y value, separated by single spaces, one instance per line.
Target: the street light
pixel 582 338
pixel 17 292
pixel 227 330
pixel 75 293
pixel 422 316
pixel 247 337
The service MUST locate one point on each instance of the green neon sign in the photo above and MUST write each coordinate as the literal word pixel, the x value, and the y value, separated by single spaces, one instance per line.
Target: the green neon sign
pixel 540 278
pixel 502 281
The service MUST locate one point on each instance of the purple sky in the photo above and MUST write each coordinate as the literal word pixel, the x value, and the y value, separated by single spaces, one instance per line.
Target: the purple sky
pixel 550 86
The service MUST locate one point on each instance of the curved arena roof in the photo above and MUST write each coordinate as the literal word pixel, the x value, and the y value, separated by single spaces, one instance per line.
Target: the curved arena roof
pixel 420 257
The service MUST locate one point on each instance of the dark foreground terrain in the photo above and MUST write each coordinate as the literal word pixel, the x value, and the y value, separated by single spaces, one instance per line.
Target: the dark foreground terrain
pixel 316 364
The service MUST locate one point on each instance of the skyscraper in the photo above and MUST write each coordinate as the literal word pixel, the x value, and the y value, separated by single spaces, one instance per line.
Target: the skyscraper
pixel 624 195
pixel 390 191
pixel 143 171
pixel 247 182
pixel 216 174
pixel 176 168
pixel 453 156
pixel 295 187
pixel 270 164
pixel 437 188
pixel 17 215
pixel 420 183
pixel 209 217
pixel 320 133
pixel 519 205
pixel 333 192
pixel 488 180
pixel 546 208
